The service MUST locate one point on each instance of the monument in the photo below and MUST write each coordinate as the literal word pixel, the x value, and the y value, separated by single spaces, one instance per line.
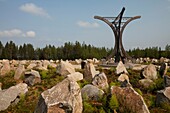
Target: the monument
pixel 118 25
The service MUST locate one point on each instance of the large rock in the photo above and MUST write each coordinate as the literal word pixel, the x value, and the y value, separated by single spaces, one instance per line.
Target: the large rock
pixel 45 63
pixel 0 86
pixel 137 67
pixel 146 82
pixel 163 96
pixel 65 68
pixel 19 71
pixel 64 97
pixel 150 72
pixel 40 66
pixel 121 68
pixel 123 77
pixel 8 96
pixel 5 68
pixel 89 71
pixel 31 65
pixel 32 77
pixel 129 100
pixel 124 80
pixel 100 80
pixel 166 81
pixel 91 92
pixel 77 76
pixel 163 69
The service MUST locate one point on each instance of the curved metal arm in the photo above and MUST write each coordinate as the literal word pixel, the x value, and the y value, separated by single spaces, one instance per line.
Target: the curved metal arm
pixel 121 32
pixel 133 18
pixel 107 22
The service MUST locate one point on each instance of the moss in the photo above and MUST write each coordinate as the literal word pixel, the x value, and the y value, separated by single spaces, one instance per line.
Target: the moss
pixel 150 100
pixel 8 81
pixel 43 74
pixel 114 84
pixel 138 91
pixel 113 104
pixel 166 106
pixel 158 85
pixel 87 107
pixel 82 83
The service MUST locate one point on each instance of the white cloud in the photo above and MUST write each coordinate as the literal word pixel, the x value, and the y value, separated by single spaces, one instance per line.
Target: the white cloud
pixel 87 24
pixel 30 34
pixel 16 33
pixel 33 9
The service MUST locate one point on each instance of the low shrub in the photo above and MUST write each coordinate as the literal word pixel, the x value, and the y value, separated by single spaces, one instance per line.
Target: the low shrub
pixel 113 104
pixel 138 91
pixel 87 107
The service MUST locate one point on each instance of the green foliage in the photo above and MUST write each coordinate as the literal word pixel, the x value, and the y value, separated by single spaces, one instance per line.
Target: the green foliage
pixel 114 84
pixel 138 91
pixel 72 51
pixel 150 100
pixel 166 106
pixel 82 83
pixel 7 80
pixel 43 74
pixel 113 104
pixel 87 107
pixel 158 85
pixel 101 110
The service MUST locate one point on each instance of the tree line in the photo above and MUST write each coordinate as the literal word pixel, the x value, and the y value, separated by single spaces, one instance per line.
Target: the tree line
pixel 72 51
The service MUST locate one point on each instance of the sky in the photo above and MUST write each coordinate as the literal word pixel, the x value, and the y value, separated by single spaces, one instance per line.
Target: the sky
pixel 54 22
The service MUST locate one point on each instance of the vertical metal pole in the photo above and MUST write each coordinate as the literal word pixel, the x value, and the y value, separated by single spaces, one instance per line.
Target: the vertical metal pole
pixel 118 55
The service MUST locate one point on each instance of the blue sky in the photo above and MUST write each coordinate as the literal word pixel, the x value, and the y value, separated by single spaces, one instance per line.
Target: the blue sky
pixel 43 22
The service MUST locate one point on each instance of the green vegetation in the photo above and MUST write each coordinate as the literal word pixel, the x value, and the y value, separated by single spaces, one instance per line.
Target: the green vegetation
pixel 106 104
pixel 8 80
pixel 72 51
pixel 113 104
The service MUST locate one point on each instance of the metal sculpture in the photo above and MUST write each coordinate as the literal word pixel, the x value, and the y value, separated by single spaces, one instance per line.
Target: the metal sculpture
pixel 118 25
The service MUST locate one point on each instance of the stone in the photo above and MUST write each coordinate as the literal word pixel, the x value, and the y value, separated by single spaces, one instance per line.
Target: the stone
pixel 14 62
pixel 150 72
pixel 8 96
pixel 100 81
pixel 163 69
pixel 129 65
pixel 23 62
pixel 77 76
pixel 22 87
pixel 19 71
pixel 123 77
pixel 31 65
pixel 163 96
pixel 65 68
pixel 0 86
pixel 78 61
pixel 65 97
pixel 45 63
pixel 89 71
pixel 129 100
pixel 40 66
pixel 121 68
pixel 166 80
pixel 53 65
pixel 91 92
pixel 162 60
pixel 32 77
pixel 124 80
pixel 83 63
pixel 5 68
pixel 137 67
pixel 146 82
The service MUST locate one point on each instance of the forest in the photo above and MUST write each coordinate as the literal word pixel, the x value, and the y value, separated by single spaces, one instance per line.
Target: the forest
pixel 72 51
